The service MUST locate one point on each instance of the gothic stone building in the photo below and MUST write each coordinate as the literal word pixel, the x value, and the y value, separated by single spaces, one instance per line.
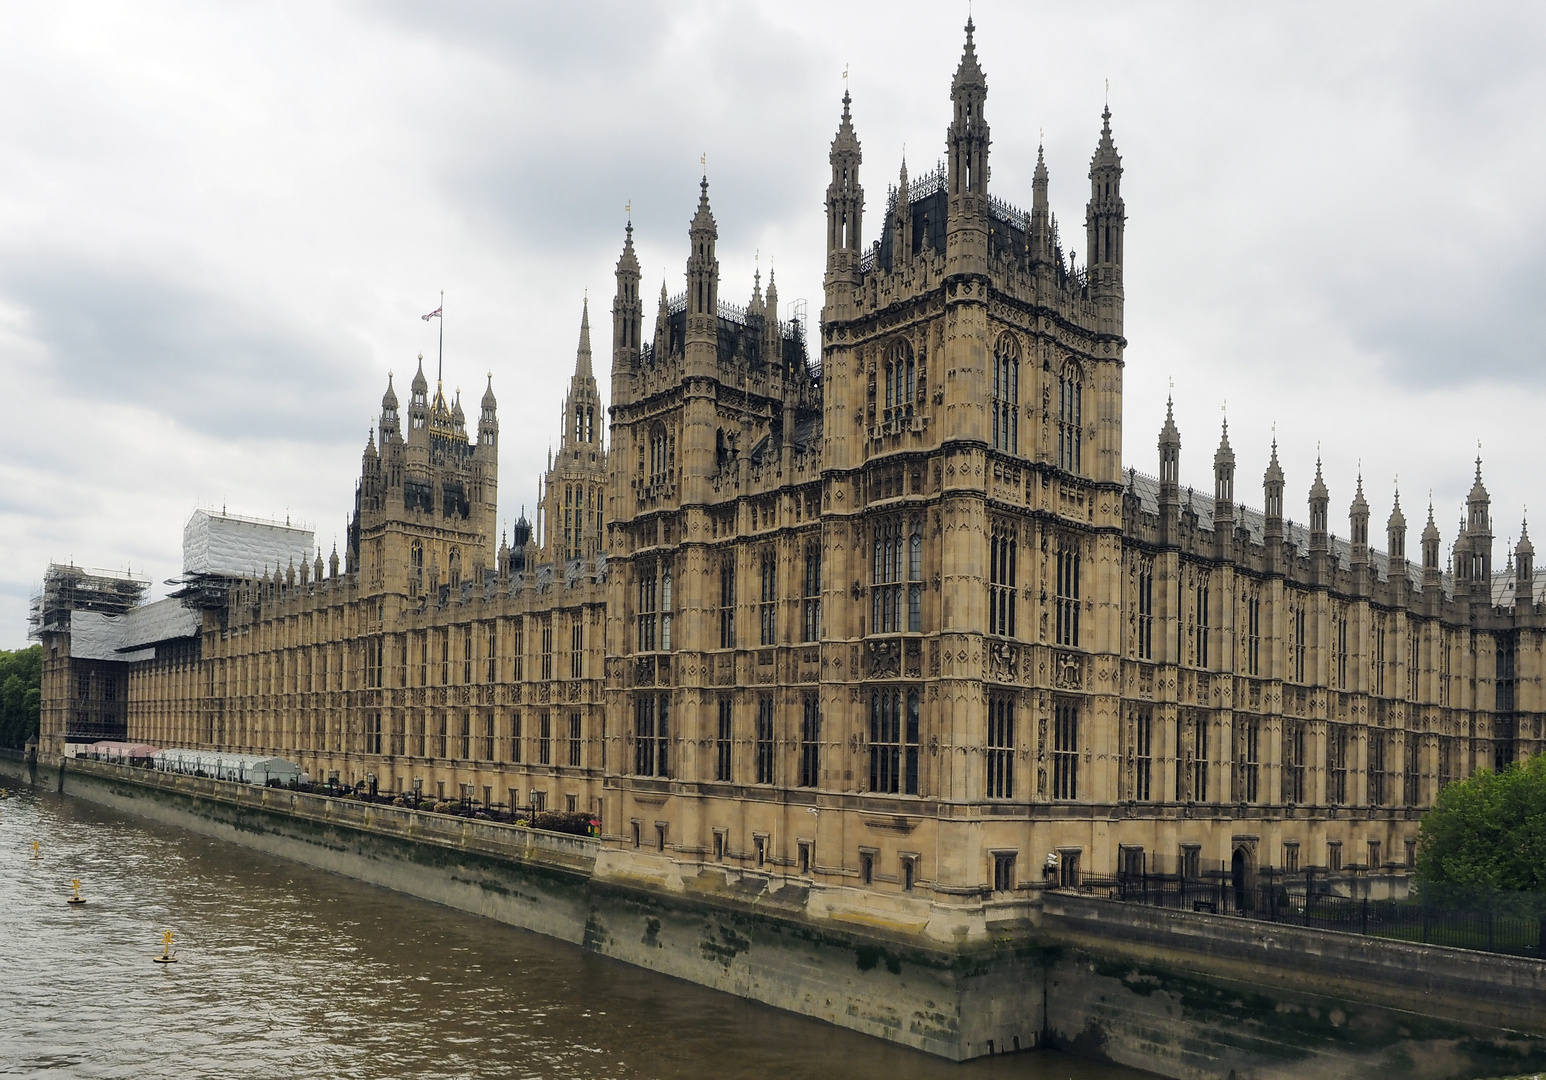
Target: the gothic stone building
pixel 882 609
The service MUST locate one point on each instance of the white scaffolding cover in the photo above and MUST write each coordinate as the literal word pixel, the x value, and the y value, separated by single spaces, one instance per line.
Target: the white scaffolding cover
pixel 230 546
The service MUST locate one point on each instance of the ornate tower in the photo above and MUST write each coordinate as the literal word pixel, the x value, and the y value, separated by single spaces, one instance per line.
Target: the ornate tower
pixel 1272 513
pixel 1169 476
pixel 1524 566
pixel 1320 502
pixel 1039 243
pixel 1395 540
pixel 1479 536
pixel 845 216
pixel 1431 538
pixel 391 428
pixel 574 489
pixel 1104 219
pixel 425 506
pixel 627 322
pixel 1358 530
pixel 700 354
pixel 1224 496
pixel 966 146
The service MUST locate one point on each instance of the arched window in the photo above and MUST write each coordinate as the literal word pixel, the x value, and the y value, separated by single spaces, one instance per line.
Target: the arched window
pixel 901 379
pixel 1006 395
pixel 657 453
pixel 456 569
pixel 571 538
pixel 896 577
pixel 416 569
pixel 1070 419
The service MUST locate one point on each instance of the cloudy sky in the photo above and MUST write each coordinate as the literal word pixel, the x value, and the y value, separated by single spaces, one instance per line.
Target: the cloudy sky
pixel 221 223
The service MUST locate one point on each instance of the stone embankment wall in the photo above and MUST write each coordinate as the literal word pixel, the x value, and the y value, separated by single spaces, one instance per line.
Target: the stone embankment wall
pixel 1184 995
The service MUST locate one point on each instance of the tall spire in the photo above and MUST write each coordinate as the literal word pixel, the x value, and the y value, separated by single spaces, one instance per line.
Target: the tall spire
pixel 968 71
pixel 967 143
pixel 1479 528
pixel 1320 500
pixel 1524 566
pixel 702 266
pixel 845 210
pixel 1041 214
pixel 1105 220
pixel 1395 536
pixel 582 365
pixel 1358 521
pixel 1273 506
pixel 1224 475
pixel 627 319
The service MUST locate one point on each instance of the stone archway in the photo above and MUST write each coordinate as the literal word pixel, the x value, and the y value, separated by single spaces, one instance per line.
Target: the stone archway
pixel 1242 878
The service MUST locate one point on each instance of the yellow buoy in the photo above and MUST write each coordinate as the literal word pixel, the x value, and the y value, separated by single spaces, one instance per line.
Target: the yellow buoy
pixel 166 956
pixel 77 898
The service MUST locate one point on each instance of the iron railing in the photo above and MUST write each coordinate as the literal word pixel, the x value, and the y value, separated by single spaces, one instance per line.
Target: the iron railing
pixel 1497 922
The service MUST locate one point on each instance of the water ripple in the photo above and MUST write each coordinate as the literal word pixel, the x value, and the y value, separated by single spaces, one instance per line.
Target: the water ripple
pixel 283 970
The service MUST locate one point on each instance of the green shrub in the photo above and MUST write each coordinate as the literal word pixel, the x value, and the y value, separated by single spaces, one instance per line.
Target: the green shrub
pixel 21 694
pixel 1487 833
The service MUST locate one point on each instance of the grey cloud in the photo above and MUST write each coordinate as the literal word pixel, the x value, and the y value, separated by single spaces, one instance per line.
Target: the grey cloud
pixel 1448 330
pixel 129 335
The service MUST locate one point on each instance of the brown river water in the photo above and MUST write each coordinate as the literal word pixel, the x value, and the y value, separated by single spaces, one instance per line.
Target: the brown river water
pixel 285 971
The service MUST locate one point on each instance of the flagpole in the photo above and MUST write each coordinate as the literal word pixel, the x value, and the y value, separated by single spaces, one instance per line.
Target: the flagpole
pixel 440 361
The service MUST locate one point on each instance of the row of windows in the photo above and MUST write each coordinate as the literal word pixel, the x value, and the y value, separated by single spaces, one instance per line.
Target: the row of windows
pixel 900 377
pixel 582 507
pixel 896 591
pixel 1250 640
pixel 1192 763
pixel 467 735
pixel 416 569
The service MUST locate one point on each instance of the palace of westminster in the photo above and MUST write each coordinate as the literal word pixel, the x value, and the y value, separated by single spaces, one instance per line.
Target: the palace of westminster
pixel 882 609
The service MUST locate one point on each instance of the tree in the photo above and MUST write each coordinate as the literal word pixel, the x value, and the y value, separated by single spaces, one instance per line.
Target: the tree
pixel 1488 832
pixel 21 694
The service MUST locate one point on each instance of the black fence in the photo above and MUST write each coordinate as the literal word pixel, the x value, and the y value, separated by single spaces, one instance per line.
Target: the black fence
pixel 1511 923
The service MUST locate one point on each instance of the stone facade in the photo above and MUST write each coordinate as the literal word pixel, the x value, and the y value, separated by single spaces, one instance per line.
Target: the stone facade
pixel 878 606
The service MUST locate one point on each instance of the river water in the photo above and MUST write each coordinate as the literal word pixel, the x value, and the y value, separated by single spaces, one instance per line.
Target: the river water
pixel 285 971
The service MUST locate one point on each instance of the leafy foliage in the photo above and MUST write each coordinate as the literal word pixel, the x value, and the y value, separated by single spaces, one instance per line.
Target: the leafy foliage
pixel 1488 832
pixel 21 693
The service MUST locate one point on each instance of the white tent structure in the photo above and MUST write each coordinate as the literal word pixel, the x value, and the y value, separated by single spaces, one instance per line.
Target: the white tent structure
pixel 243 768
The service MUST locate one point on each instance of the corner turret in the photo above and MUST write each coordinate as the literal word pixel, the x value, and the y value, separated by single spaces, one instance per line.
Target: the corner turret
pixel 966 146
pixel 1395 540
pixel 845 215
pixel 1524 566
pixel 391 427
pixel 1431 540
pixel 1105 219
pixel 1169 475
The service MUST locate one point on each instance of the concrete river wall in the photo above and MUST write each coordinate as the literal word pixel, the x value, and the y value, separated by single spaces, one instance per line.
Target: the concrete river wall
pixel 1181 994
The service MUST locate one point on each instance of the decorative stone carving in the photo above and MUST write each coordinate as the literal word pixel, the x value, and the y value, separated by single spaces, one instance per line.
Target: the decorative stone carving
pixel 885 659
pixel 1068 671
pixel 1003 662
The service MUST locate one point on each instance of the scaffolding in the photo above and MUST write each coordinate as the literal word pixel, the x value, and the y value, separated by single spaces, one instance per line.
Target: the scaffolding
pixel 70 588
